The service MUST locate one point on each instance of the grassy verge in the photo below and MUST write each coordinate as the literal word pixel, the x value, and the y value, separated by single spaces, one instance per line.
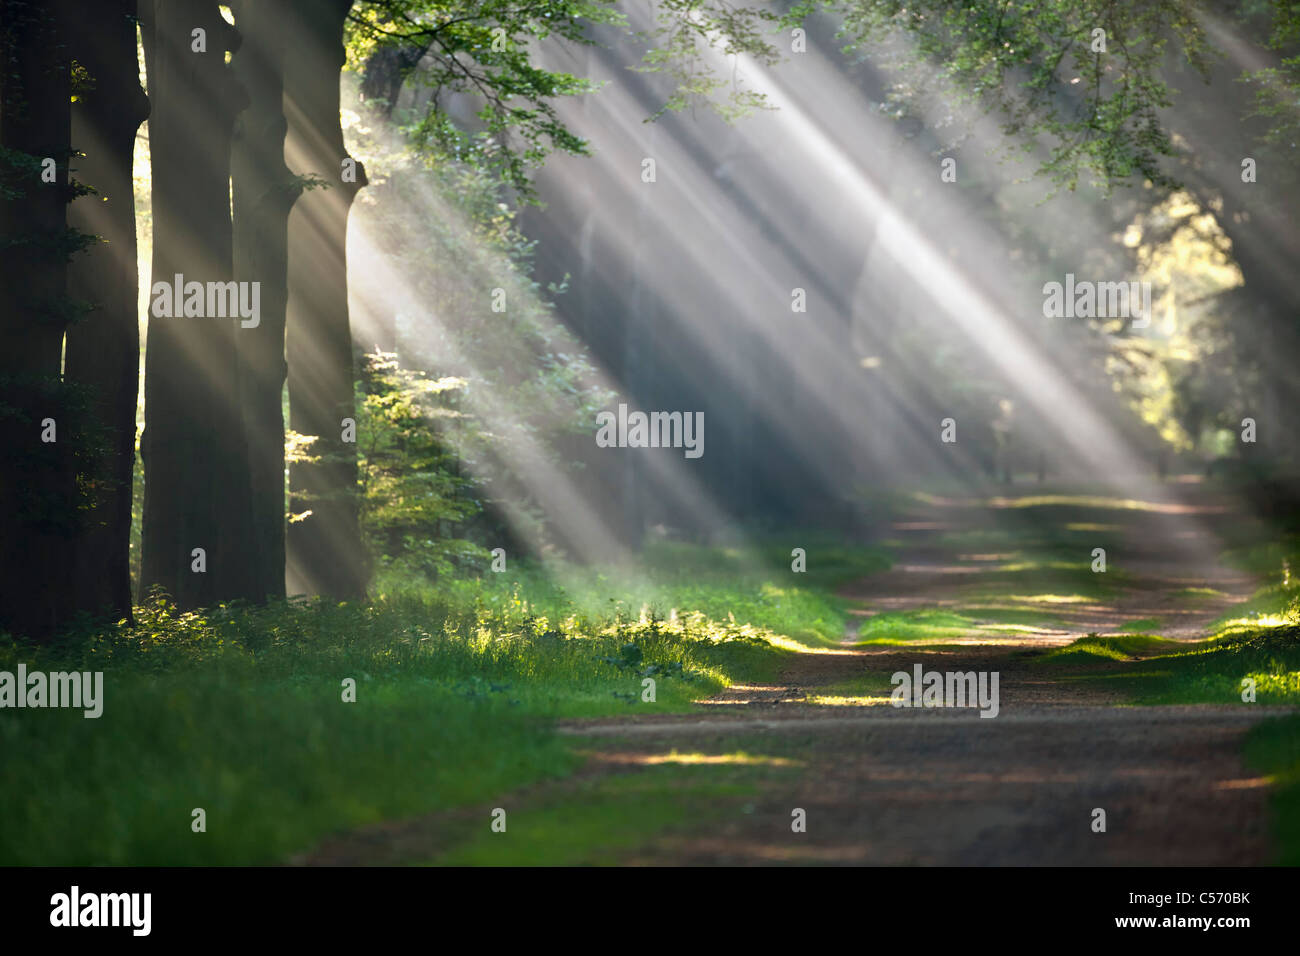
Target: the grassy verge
pixel 1002 601
pixel 1152 670
pixel 241 712
pixel 937 626
pixel 1246 653
pixel 597 820
pixel 753 585
pixel 1273 749
pixel 1256 645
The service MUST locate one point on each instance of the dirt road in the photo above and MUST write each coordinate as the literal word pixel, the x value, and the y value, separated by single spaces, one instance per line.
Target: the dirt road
pixel 886 785
pixel 879 784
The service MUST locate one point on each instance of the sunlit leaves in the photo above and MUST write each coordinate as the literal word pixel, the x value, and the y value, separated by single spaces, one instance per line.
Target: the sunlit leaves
pixel 483 50
pixel 685 35
pixel 1035 65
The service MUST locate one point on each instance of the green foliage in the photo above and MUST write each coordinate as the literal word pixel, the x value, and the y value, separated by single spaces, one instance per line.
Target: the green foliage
pixel 411 491
pixel 20 173
pixel 77 459
pixel 238 710
pixel 751 589
pixel 1126 117
pixel 1276 563
pixel 487 51
pixel 259 738
pixel 686 32
pixel 1035 65
pixel 1276 88
pixel 498 392
pixel 481 49
pixel 18 170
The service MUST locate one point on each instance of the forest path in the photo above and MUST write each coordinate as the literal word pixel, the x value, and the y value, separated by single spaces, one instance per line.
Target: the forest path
pixel 886 785
pixel 984 586
pixel 1006 554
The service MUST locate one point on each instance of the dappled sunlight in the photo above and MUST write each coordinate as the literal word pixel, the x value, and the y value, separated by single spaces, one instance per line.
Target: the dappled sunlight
pixel 1103 503
pixel 1257 622
pixel 1245 783
pixel 786 644
pixel 1018 628
pixel 693 759
pixel 837 700
pixel 1052 599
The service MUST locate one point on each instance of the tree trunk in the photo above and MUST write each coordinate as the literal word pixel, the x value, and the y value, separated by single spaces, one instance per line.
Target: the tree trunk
pixel 103 352
pixel 324 547
pixel 195 455
pixel 38 492
pixel 264 192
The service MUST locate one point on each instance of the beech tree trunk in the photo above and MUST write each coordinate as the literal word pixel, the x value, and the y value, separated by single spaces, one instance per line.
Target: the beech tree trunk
pixel 38 492
pixel 325 554
pixel 264 191
pixel 103 351
pixel 197 516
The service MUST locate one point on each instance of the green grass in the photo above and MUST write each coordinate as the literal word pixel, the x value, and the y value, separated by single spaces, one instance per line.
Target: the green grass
pixel 1197 594
pixel 988 623
pixel 1268 559
pixel 1027 616
pixel 598 819
pixel 752 585
pixel 892 627
pixel 864 689
pixel 1023 571
pixel 1142 625
pixel 1125 647
pixel 1257 641
pixel 1273 748
pixel 1205 672
pixel 274 768
pixel 239 710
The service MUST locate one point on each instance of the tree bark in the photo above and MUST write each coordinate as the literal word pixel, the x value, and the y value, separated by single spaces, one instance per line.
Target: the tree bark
pixel 38 492
pixel 325 553
pixel 103 352
pixel 194 451
pixel 264 191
